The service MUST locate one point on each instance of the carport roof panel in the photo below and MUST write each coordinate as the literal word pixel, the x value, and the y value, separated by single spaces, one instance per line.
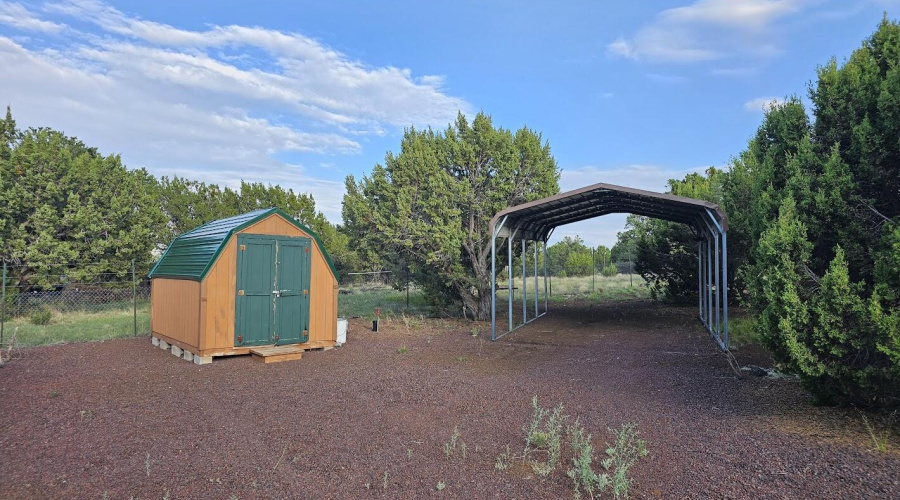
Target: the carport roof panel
pixel 191 255
pixel 595 200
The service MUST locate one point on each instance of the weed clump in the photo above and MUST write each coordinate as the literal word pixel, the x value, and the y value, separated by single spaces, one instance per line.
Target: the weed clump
pixel 41 316
pixel 454 445
pixel 543 433
pixel 544 436
pixel 626 449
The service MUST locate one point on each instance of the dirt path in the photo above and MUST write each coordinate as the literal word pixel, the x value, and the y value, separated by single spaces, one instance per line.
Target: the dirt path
pixel 123 418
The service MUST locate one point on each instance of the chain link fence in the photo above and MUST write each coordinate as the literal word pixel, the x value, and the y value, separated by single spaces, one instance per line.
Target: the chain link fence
pixel 64 309
pixel 365 294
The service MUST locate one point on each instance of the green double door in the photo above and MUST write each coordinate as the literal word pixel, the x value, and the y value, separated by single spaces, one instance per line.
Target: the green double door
pixel 272 304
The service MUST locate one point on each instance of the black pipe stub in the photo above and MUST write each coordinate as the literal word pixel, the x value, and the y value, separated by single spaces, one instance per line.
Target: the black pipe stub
pixel 375 325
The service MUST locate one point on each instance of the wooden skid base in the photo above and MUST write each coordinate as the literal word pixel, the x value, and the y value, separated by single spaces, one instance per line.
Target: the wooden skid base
pixel 264 354
pixel 276 354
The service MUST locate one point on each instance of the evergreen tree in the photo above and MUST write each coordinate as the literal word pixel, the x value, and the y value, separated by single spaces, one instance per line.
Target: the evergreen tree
pixel 70 213
pixel 428 207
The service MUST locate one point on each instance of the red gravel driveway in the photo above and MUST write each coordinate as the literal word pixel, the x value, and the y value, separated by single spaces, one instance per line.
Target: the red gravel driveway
pixel 123 419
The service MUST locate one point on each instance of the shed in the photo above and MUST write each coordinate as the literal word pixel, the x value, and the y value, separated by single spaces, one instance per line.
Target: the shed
pixel 230 285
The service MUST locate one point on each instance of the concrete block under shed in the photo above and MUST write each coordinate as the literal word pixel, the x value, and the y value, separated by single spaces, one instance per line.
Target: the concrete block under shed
pixel 188 356
pixel 154 341
pixel 202 360
pixel 163 344
pixel 177 351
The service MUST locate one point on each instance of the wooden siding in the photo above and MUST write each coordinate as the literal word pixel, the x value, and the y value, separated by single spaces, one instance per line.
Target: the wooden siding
pixel 175 310
pixel 218 290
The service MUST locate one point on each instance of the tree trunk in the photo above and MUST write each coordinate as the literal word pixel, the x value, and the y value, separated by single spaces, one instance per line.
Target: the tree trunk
pixel 484 304
pixel 479 304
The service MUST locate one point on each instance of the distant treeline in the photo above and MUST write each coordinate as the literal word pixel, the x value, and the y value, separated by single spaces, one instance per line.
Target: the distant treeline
pixel 68 213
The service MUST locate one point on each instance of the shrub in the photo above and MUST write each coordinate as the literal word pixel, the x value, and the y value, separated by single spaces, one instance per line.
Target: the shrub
pixel 579 264
pixel 843 345
pixel 609 271
pixel 41 316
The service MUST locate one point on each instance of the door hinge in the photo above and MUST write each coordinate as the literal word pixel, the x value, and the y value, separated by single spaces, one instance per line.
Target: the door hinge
pixel 243 247
pixel 305 333
pixel 241 293
pixel 305 292
pixel 240 339
pixel 306 249
pixel 275 338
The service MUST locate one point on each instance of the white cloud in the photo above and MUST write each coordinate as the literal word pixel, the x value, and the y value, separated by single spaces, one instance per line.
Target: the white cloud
pixel 741 14
pixel 621 47
pixel 17 16
pixel 220 104
pixel 762 103
pixel 705 30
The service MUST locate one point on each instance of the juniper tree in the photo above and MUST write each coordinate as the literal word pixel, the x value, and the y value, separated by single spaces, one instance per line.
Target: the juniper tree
pixel 426 209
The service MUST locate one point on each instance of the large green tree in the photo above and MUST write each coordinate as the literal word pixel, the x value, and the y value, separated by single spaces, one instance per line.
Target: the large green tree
pixel 188 204
pixel 564 255
pixel 426 209
pixel 665 253
pixel 814 206
pixel 69 213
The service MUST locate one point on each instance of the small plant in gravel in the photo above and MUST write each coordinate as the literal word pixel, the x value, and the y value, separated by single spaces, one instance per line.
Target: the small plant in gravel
pixel 462 359
pixel 621 455
pixel 543 433
pixel 455 444
pixel 881 439
pixel 440 486
pixel 475 332
pixel 504 460
pixel 384 480
pixel 403 350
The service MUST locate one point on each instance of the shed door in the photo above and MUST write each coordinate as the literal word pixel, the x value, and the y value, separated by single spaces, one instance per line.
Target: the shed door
pixel 254 308
pixel 292 302
pixel 273 275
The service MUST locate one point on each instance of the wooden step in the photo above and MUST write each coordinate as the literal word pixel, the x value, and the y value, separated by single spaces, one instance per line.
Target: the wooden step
pixel 276 354
pixel 325 345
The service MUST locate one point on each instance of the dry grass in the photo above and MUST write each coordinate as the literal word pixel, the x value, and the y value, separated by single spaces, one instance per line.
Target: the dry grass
pixel 82 326
pixel 600 288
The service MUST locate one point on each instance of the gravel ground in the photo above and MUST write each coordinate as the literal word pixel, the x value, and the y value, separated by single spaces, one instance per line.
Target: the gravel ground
pixel 122 418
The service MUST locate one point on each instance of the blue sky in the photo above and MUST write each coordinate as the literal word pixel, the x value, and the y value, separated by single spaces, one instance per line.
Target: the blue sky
pixel 304 93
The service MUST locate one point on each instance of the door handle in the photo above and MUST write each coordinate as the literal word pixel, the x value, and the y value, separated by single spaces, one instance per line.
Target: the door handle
pixel 276 293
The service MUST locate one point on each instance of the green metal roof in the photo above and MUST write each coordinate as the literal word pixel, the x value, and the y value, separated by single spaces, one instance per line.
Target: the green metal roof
pixel 192 254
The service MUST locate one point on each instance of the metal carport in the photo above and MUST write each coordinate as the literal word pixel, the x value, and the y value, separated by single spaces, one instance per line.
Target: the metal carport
pixel 536 220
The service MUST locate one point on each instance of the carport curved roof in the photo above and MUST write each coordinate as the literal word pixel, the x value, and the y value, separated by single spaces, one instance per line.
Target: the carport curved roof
pixel 192 254
pixel 537 218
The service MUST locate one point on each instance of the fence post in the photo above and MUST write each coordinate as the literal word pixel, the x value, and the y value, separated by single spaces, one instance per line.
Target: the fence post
pixel 3 311
pixel 134 296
